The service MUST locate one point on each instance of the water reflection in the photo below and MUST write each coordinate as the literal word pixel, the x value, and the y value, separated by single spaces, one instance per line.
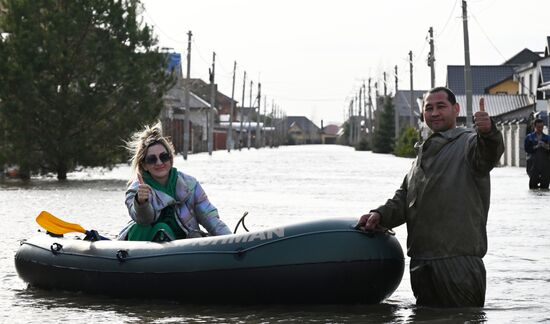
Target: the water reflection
pixel 454 315
pixel 51 184
pixel 69 306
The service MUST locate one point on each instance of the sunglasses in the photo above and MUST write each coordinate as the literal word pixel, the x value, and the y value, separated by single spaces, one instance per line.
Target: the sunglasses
pixel 152 159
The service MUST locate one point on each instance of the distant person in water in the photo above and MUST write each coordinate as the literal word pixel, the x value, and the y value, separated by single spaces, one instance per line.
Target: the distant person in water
pixel 537 147
pixel 164 203
pixel 444 200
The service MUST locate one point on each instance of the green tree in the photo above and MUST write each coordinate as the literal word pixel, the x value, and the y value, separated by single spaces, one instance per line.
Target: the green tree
pixel 405 145
pixel 76 78
pixel 383 140
pixel 344 138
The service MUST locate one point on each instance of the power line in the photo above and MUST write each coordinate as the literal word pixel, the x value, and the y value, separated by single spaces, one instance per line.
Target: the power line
pixel 183 42
pixel 448 19
pixel 487 36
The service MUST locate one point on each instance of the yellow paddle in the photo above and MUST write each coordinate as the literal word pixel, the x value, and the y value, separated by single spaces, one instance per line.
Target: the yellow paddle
pixel 57 226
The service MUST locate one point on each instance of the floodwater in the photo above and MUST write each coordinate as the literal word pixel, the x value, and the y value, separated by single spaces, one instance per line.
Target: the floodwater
pixel 281 186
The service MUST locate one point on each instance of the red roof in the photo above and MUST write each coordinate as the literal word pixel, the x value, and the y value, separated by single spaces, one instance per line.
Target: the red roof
pixel 331 129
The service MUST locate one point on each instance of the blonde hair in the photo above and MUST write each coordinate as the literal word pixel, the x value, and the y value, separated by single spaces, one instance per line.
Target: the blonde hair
pixel 141 141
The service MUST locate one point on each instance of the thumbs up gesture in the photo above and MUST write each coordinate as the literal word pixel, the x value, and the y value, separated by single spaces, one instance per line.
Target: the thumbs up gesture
pixel 143 191
pixel 481 118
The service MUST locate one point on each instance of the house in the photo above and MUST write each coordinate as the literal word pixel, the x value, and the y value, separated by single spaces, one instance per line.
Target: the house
pixel 483 76
pixel 521 80
pixel 243 126
pixel 200 112
pixel 402 104
pixel 500 107
pixel 329 133
pixel 533 79
pixel 493 79
pixel 301 130
pixel 222 103
pixel 173 115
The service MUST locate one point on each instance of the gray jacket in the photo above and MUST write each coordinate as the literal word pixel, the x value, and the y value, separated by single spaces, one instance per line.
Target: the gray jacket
pixel 444 199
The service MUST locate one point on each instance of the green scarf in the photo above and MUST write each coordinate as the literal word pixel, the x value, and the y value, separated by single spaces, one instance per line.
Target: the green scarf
pixel 167 219
pixel 169 188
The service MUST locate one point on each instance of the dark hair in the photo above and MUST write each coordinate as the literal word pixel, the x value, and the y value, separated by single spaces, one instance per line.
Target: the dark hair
pixel 538 120
pixel 450 95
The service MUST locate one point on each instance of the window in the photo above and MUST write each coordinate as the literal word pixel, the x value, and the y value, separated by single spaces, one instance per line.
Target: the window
pixel 521 85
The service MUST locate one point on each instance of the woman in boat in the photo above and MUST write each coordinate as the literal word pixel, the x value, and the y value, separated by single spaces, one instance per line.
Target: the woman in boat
pixel 164 203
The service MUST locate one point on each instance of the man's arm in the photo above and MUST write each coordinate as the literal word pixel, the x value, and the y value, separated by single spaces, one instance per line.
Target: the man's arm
pixel 487 148
pixel 389 215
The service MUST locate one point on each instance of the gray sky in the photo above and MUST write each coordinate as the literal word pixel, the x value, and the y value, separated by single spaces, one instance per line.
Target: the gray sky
pixel 311 56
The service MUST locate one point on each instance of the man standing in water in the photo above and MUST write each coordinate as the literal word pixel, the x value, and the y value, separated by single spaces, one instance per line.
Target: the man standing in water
pixel 444 199
pixel 537 147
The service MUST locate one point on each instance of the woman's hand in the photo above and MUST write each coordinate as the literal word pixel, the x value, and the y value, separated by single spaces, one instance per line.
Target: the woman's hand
pixel 143 192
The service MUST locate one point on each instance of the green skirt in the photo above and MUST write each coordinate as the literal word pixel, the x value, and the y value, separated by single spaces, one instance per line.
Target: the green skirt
pixel 150 232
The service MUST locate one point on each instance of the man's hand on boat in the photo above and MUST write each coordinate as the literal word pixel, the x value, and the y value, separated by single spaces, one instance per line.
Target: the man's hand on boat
pixel 368 222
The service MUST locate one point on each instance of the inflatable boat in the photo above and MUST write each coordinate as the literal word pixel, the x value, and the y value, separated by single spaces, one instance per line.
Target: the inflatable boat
pixel 323 261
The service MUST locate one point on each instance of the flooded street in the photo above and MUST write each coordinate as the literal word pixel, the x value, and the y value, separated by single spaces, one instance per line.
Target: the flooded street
pixel 281 186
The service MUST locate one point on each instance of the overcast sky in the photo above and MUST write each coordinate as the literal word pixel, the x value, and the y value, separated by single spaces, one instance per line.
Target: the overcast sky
pixel 311 56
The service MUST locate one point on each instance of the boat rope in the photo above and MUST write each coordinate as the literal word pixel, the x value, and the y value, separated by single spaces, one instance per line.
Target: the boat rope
pixel 241 221
pixel 125 255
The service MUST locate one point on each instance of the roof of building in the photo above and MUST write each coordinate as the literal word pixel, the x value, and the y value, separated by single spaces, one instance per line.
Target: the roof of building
pixel 482 77
pixel 331 129
pixel 524 56
pixel 203 90
pixel 175 97
pixel 402 101
pixel 303 122
pixel 495 104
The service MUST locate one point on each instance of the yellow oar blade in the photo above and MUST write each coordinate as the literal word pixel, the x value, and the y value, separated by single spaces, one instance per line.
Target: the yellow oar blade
pixel 57 226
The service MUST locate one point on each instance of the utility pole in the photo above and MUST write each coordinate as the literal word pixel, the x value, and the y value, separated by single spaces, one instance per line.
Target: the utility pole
pixel 351 122
pixel 412 88
pixel 396 114
pixel 275 133
pixel 358 118
pixel 258 135
pixel 467 68
pixel 229 136
pixel 360 114
pixel 210 112
pixel 248 132
pixel 385 85
pixel 187 95
pixel 265 138
pixel 370 114
pixel 272 125
pixel 365 107
pixel 396 80
pixel 431 57
pixel 242 114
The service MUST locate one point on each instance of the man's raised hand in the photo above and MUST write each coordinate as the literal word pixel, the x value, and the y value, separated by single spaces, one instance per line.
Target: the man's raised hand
pixel 482 119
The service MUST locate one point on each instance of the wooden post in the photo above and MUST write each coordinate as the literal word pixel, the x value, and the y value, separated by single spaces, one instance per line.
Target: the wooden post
pixel 230 142
pixel 242 114
pixel 187 95
pixel 210 113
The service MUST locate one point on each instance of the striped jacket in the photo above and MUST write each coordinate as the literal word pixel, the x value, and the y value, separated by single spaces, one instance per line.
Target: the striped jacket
pixel 191 205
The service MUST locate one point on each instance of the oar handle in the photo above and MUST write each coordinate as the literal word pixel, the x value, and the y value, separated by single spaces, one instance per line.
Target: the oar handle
pixel 93 235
